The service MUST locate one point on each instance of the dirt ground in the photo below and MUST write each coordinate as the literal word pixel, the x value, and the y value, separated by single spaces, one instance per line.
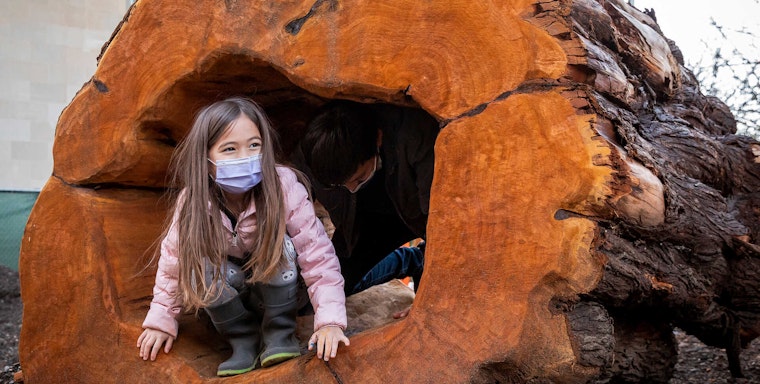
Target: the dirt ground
pixel 697 363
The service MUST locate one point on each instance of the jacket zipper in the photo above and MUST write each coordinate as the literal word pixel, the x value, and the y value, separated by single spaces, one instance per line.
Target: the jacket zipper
pixel 235 235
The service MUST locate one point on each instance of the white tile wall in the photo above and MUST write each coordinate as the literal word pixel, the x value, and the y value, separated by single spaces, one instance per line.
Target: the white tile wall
pixel 48 50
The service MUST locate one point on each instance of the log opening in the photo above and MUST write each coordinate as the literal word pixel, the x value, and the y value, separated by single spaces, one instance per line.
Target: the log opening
pixel 290 108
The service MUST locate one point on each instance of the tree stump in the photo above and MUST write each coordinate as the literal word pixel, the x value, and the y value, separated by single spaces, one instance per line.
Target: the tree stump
pixel 586 198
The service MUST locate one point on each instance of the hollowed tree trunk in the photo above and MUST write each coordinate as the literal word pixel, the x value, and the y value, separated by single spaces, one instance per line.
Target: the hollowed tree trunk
pixel 586 196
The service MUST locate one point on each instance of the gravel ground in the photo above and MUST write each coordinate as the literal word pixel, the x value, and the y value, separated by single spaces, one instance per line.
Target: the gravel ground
pixel 10 323
pixel 697 363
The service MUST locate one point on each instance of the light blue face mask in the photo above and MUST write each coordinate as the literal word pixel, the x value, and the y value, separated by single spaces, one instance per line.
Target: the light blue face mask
pixel 238 175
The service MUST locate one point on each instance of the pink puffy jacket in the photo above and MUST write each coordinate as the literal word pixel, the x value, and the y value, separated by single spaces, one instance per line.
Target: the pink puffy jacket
pixel 316 258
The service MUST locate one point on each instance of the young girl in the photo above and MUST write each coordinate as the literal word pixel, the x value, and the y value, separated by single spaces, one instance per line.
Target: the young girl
pixel 242 228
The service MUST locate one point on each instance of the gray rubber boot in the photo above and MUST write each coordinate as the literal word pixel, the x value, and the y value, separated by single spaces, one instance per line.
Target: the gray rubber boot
pixel 241 329
pixel 280 304
pixel 232 281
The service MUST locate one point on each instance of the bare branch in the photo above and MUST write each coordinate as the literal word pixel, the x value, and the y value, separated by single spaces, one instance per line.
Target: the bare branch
pixel 730 73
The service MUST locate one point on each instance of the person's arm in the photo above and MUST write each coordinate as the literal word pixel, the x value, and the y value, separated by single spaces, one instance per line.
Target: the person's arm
pixel 410 144
pixel 165 307
pixel 316 255
pixel 160 324
pixel 319 267
pixel 422 156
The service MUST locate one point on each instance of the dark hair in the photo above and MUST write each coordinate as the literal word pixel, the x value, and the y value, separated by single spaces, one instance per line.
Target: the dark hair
pixel 339 139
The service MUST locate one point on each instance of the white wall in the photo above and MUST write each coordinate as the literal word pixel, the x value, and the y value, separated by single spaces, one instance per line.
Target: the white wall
pixel 48 50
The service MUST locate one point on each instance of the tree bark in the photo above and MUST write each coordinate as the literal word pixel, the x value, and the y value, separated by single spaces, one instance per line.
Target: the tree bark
pixel 586 198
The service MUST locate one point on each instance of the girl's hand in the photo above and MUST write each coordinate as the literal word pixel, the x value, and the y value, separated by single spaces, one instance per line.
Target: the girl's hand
pixel 150 343
pixel 326 340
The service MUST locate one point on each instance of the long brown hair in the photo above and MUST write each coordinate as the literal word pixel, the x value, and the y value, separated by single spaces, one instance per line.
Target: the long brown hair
pixel 201 234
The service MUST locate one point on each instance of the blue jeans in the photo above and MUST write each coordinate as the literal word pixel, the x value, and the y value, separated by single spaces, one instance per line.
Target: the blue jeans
pixel 402 262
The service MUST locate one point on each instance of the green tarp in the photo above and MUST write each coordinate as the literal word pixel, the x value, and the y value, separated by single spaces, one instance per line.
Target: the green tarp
pixel 14 211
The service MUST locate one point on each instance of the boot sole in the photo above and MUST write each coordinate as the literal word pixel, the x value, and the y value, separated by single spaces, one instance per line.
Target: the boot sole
pixel 278 358
pixel 233 372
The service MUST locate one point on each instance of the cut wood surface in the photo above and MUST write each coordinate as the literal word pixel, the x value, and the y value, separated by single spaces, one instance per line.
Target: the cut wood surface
pixel 587 198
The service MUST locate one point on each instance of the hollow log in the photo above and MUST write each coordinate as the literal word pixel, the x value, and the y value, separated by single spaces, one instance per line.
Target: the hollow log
pixel 587 198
